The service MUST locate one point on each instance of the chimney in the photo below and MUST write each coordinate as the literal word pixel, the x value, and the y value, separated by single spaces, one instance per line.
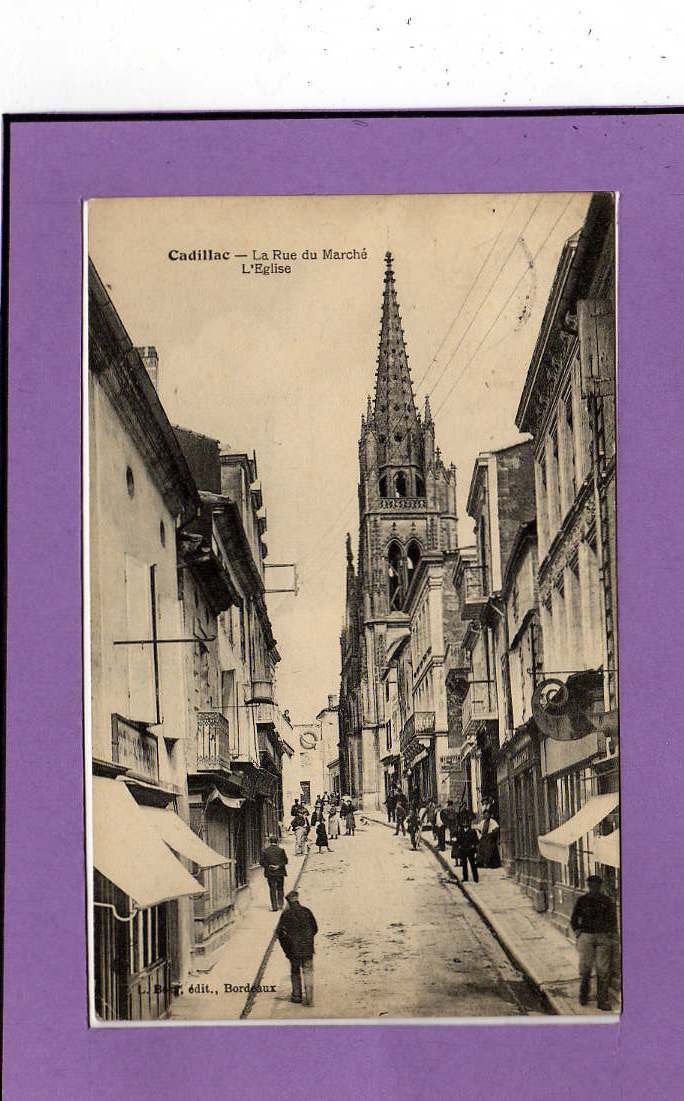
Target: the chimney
pixel 332 703
pixel 151 363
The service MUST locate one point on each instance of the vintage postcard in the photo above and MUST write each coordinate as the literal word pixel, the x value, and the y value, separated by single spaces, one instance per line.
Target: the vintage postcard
pixel 351 608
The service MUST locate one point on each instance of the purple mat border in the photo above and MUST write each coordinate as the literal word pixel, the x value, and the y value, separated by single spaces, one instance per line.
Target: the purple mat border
pixel 49 1052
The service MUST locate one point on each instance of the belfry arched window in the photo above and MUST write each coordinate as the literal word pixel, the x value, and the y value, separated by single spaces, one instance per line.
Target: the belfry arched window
pixel 400 484
pixel 420 486
pixel 395 587
pixel 412 559
pixel 383 486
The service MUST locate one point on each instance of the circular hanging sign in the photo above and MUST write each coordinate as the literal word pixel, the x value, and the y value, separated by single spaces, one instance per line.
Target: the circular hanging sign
pixel 307 740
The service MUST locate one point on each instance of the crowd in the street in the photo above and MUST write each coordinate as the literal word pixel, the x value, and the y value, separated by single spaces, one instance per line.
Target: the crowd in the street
pixel 325 822
pixel 473 845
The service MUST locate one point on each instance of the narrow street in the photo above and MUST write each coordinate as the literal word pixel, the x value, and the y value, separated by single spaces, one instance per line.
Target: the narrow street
pixel 396 939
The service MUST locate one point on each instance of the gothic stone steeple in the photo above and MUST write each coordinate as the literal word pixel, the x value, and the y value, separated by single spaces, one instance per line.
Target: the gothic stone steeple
pixel 407 499
pixel 395 418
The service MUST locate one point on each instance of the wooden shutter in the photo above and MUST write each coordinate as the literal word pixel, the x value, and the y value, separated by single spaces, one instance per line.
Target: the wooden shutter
pixel 596 325
pixel 141 688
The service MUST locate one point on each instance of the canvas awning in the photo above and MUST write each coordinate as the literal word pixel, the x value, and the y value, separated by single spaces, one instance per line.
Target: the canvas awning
pixel 179 837
pixel 607 849
pixel 129 851
pixel 229 801
pixel 556 844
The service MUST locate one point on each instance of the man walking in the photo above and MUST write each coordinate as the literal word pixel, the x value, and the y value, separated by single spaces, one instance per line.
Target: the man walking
pixel 400 813
pixel 594 923
pixel 273 860
pixel 390 803
pixel 464 851
pixel 414 827
pixel 296 931
pixel 299 827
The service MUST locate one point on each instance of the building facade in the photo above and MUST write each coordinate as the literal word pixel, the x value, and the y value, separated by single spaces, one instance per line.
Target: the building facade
pixel 500 500
pixel 235 767
pixel 568 406
pixel 407 531
pixel 522 815
pixel 147 862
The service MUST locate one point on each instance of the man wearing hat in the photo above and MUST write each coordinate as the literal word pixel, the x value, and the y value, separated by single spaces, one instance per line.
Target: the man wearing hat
pixel 594 923
pixel 296 931
pixel 273 860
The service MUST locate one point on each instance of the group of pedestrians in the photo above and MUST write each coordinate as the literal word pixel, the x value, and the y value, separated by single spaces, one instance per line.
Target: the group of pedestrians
pixel 329 815
pixel 474 845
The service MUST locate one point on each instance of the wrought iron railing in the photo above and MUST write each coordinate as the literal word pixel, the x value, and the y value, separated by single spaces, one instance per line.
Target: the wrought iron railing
pixel 419 724
pixel 213 744
pixel 479 703
pixel 135 749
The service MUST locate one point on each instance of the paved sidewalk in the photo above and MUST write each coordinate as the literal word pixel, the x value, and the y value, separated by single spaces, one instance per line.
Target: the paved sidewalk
pixel 238 962
pixel 536 946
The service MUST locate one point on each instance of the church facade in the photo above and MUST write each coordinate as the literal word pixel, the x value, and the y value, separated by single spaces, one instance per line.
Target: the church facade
pixel 396 726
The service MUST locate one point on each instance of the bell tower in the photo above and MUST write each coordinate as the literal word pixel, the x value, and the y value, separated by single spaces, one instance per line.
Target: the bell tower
pixel 407 513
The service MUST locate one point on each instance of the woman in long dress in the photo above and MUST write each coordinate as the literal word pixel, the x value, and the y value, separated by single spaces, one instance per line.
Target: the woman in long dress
pixel 322 837
pixel 333 822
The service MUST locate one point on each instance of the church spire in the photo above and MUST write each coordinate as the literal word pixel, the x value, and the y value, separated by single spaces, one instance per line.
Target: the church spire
pixel 396 418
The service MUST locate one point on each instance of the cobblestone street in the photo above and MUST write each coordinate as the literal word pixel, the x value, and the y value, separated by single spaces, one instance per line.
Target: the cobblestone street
pixel 396 939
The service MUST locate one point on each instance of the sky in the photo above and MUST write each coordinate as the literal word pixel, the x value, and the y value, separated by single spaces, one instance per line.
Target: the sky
pixel 282 364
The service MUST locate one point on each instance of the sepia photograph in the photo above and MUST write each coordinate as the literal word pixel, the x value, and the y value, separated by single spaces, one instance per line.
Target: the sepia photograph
pixel 350 609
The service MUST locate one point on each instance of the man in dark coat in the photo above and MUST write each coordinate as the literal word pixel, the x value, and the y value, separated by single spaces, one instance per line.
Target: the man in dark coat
pixel 595 926
pixel 464 850
pixel 273 860
pixel 296 931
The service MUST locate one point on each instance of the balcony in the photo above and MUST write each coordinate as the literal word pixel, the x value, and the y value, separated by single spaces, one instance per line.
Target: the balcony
pixel 135 749
pixel 259 691
pixel 474 583
pixel 213 748
pixel 410 504
pixel 420 724
pixel 479 705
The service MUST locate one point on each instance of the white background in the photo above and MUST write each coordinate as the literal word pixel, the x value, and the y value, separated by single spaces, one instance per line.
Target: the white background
pixel 241 54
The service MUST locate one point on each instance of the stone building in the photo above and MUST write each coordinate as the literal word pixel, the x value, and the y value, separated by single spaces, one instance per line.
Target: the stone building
pixel 317 746
pixel 522 814
pixel 568 406
pixel 501 498
pixel 235 752
pixel 141 495
pixel 396 591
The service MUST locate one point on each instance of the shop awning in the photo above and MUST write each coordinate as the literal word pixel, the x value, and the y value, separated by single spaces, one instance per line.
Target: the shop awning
pixel 556 844
pixel 129 851
pixel 607 849
pixel 229 801
pixel 179 837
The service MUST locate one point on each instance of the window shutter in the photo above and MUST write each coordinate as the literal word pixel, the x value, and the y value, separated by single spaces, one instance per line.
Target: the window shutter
pixel 141 693
pixel 596 325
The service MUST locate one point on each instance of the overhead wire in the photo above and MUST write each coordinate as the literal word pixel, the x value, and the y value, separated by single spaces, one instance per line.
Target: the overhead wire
pixel 500 312
pixel 488 292
pixel 340 524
